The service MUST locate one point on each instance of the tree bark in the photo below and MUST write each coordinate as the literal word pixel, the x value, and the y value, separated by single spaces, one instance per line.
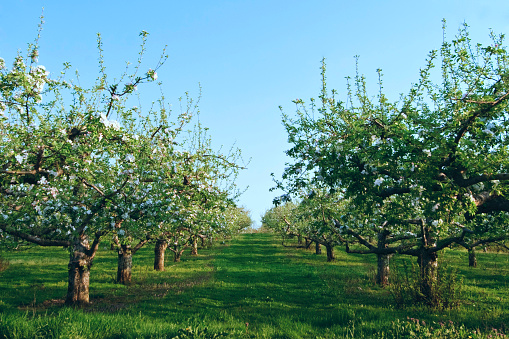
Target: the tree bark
pixel 299 239
pixel 125 265
pixel 159 251
pixel 383 270
pixel 318 248
pixel 330 252
pixel 177 255
pixel 428 265
pixel 79 273
pixel 194 248
pixel 472 259
pixel 308 242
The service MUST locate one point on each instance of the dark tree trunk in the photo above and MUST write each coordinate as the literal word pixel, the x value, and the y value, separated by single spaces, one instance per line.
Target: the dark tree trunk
pixel 472 259
pixel 428 265
pixel 194 248
pixel 330 252
pixel 318 248
pixel 79 274
pixel 383 270
pixel 125 264
pixel 177 255
pixel 308 243
pixel 299 239
pixel 159 251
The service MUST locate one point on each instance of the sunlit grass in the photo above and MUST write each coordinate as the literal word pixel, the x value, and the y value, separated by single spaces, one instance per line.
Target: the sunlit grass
pixel 252 287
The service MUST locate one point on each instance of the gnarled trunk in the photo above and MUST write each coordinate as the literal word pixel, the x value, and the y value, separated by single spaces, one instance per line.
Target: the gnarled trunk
pixel 330 252
pixel 472 259
pixel 177 255
pixel 79 273
pixel 318 248
pixel 125 264
pixel 194 248
pixel 308 242
pixel 382 273
pixel 159 251
pixel 428 265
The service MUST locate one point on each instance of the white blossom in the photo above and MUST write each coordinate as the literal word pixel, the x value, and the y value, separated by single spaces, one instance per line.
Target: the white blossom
pixel 20 158
pixel 109 123
pixel 53 191
pixel 379 181
pixel 152 74
pixel 437 222
pixel 115 125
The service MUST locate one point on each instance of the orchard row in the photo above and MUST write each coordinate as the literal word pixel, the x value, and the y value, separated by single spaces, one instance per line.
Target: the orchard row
pixel 82 165
pixel 406 177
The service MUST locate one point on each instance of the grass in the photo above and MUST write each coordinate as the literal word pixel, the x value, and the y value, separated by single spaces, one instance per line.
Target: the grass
pixel 250 288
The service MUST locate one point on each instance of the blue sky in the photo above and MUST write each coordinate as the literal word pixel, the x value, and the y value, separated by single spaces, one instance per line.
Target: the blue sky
pixel 250 57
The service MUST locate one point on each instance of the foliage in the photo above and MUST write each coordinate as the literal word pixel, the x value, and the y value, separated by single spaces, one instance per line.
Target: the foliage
pixel 447 289
pixel 425 171
pixel 415 328
pixel 79 163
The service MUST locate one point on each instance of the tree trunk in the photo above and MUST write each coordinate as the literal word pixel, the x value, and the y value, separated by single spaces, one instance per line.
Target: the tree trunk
pixel 125 264
pixel 159 251
pixel 330 252
pixel 177 254
pixel 299 239
pixel 308 243
pixel 79 274
pixel 428 265
pixel 318 248
pixel 472 259
pixel 194 248
pixel 382 274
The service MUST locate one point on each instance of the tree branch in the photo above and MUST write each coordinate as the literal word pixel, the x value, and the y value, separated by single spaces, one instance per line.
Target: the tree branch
pixel 34 239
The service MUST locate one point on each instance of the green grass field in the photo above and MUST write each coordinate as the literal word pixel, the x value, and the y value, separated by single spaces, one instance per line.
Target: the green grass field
pixel 251 287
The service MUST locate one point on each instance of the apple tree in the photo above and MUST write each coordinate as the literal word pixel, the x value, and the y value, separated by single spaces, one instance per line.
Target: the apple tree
pixel 74 160
pixel 420 173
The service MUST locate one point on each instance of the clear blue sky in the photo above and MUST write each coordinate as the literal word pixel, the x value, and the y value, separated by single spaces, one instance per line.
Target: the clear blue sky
pixel 249 56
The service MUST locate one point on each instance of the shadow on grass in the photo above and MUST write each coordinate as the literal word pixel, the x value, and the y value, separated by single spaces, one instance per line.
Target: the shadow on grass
pixel 253 280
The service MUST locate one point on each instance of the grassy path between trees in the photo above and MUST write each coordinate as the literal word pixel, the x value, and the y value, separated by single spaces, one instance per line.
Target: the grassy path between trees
pixel 250 288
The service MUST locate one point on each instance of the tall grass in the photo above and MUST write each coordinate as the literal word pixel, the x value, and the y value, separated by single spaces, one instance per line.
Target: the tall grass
pixel 249 288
